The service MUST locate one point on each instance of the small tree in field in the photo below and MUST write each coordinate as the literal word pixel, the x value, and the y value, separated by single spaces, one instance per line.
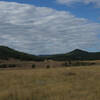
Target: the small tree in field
pixel 70 63
pixel 12 65
pixel 47 66
pixel 65 64
pixel 3 66
pixel 33 66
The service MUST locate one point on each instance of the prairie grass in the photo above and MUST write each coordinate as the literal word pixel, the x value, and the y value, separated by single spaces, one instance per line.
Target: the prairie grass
pixel 73 83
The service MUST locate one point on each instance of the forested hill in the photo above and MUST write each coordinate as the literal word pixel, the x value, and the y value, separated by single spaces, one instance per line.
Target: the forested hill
pixel 7 53
pixel 76 55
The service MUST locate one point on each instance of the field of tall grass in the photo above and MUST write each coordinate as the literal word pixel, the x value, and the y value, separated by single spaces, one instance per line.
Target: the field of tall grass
pixel 71 83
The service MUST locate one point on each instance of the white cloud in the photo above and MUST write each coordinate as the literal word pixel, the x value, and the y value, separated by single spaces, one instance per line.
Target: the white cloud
pixel 69 2
pixel 41 30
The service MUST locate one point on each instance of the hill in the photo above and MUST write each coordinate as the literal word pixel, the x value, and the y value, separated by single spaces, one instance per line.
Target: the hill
pixel 7 53
pixel 77 54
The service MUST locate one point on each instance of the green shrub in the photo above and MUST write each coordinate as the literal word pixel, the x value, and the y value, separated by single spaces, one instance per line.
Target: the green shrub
pixel 3 66
pixel 12 65
pixel 33 65
pixel 65 64
pixel 48 66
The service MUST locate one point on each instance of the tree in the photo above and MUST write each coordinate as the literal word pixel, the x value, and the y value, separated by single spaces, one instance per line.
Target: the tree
pixel 48 66
pixel 33 66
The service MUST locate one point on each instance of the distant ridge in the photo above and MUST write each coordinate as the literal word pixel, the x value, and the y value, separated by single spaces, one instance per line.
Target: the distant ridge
pixel 77 54
pixel 7 53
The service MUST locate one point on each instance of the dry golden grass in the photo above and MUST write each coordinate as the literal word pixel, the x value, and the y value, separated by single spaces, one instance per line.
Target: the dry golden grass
pixel 73 83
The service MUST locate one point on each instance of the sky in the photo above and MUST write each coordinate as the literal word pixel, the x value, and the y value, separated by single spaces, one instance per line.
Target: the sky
pixel 50 26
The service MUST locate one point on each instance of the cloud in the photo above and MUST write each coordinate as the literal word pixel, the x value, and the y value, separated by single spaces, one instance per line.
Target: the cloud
pixel 69 2
pixel 42 30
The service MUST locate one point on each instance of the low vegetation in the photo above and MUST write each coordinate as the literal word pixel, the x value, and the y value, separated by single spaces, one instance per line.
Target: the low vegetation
pixel 67 83
pixel 48 66
pixel 78 63
pixel 7 65
pixel 33 65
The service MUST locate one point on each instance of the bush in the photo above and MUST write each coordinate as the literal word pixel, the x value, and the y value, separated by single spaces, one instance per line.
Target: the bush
pixel 65 64
pixel 11 65
pixel 47 66
pixel 3 66
pixel 33 66
pixel 77 64
pixel 71 74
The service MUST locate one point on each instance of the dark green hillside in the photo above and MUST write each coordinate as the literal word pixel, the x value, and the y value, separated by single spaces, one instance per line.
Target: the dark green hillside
pixel 7 53
pixel 76 55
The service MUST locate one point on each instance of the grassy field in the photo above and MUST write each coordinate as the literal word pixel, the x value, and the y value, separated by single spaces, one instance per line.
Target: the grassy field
pixel 71 83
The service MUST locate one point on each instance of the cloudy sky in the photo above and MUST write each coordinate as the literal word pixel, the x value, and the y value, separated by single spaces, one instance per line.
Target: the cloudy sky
pixel 50 26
